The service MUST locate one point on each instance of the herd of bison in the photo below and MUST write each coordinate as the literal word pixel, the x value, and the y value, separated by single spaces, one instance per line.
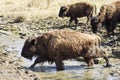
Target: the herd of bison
pixel 56 46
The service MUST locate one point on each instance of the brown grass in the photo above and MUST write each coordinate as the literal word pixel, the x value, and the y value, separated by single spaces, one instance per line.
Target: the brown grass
pixel 38 8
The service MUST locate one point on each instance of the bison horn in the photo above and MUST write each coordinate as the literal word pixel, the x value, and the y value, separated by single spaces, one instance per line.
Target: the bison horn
pixel 33 41
pixel 64 8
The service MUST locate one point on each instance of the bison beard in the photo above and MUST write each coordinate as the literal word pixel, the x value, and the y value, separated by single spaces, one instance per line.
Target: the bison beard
pixel 108 16
pixel 77 10
pixel 60 45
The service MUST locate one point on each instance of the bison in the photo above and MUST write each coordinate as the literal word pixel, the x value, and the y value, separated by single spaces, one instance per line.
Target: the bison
pixel 77 10
pixel 108 16
pixel 57 46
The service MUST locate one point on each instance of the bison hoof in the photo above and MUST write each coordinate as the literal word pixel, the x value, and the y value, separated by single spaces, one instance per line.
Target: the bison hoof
pixel 60 69
pixel 31 67
pixel 108 65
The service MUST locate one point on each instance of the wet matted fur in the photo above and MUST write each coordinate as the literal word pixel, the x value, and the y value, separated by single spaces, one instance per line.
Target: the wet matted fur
pixel 57 46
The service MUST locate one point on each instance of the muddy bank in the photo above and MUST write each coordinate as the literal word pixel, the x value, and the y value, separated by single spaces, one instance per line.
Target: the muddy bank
pixel 15 67
pixel 10 61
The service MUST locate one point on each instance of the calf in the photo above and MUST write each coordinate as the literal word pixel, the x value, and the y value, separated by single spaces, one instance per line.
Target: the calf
pixel 77 10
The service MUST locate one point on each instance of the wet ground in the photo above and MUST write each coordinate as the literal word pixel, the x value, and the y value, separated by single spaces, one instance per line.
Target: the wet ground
pixel 15 67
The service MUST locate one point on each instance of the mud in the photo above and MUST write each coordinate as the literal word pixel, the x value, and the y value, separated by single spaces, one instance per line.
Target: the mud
pixel 15 67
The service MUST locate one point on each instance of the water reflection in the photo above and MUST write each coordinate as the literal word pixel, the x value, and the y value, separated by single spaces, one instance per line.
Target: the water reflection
pixel 74 72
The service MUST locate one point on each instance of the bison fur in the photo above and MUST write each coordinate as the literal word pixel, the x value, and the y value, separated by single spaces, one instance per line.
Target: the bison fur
pixel 108 16
pixel 57 46
pixel 77 10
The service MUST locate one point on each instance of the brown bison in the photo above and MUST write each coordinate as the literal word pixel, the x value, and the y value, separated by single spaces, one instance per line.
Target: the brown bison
pixel 60 45
pixel 108 16
pixel 77 10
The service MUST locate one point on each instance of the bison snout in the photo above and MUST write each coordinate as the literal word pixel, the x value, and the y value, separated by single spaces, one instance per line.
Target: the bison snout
pixel 26 55
pixel 60 15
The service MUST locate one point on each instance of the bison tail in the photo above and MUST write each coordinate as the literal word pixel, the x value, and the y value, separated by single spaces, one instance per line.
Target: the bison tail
pixel 99 41
pixel 95 9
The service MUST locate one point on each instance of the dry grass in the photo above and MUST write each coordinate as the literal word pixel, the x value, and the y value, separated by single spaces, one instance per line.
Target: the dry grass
pixel 38 8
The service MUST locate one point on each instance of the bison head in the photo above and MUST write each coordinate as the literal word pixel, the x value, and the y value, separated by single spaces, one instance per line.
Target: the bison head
pixel 63 11
pixel 29 48
pixel 95 23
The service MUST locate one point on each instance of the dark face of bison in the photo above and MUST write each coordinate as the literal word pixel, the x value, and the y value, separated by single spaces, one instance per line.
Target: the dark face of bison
pixel 95 24
pixel 29 48
pixel 63 11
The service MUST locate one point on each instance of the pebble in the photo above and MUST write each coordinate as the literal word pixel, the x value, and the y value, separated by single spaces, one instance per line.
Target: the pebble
pixel 26 72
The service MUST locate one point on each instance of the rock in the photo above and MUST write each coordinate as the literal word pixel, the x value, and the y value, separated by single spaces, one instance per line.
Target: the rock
pixel 11 62
pixel 26 72
pixel 4 54
pixel 22 34
pixel 36 79
pixel 96 61
pixel 112 74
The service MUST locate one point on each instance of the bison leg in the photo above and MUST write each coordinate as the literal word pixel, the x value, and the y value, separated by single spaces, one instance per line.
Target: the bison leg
pixel 88 18
pixel 103 54
pixel 113 26
pixel 38 60
pixel 59 64
pixel 89 61
pixel 76 21
pixel 108 28
pixel 71 19
pixel 107 62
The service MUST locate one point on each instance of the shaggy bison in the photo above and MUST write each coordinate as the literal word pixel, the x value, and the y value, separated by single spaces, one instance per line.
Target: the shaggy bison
pixel 108 16
pixel 77 10
pixel 60 45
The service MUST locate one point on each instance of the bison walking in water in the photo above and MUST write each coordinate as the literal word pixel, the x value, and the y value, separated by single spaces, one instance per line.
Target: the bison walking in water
pixel 108 16
pixel 77 10
pixel 57 46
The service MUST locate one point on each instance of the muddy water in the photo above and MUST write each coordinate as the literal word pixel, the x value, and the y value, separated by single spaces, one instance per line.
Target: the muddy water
pixel 77 71
pixel 74 70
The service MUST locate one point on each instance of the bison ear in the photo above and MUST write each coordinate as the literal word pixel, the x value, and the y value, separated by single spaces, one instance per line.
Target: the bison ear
pixel 34 41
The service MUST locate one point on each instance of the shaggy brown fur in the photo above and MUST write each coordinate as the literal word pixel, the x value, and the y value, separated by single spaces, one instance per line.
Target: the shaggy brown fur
pixel 109 16
pixel 77 10
pixel 60 45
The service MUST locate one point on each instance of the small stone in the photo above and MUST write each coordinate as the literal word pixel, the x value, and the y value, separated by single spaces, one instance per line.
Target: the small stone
pixel 26 72
pixel 96 61
pixel 112 74
pixel 4 53
pixel 36 79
